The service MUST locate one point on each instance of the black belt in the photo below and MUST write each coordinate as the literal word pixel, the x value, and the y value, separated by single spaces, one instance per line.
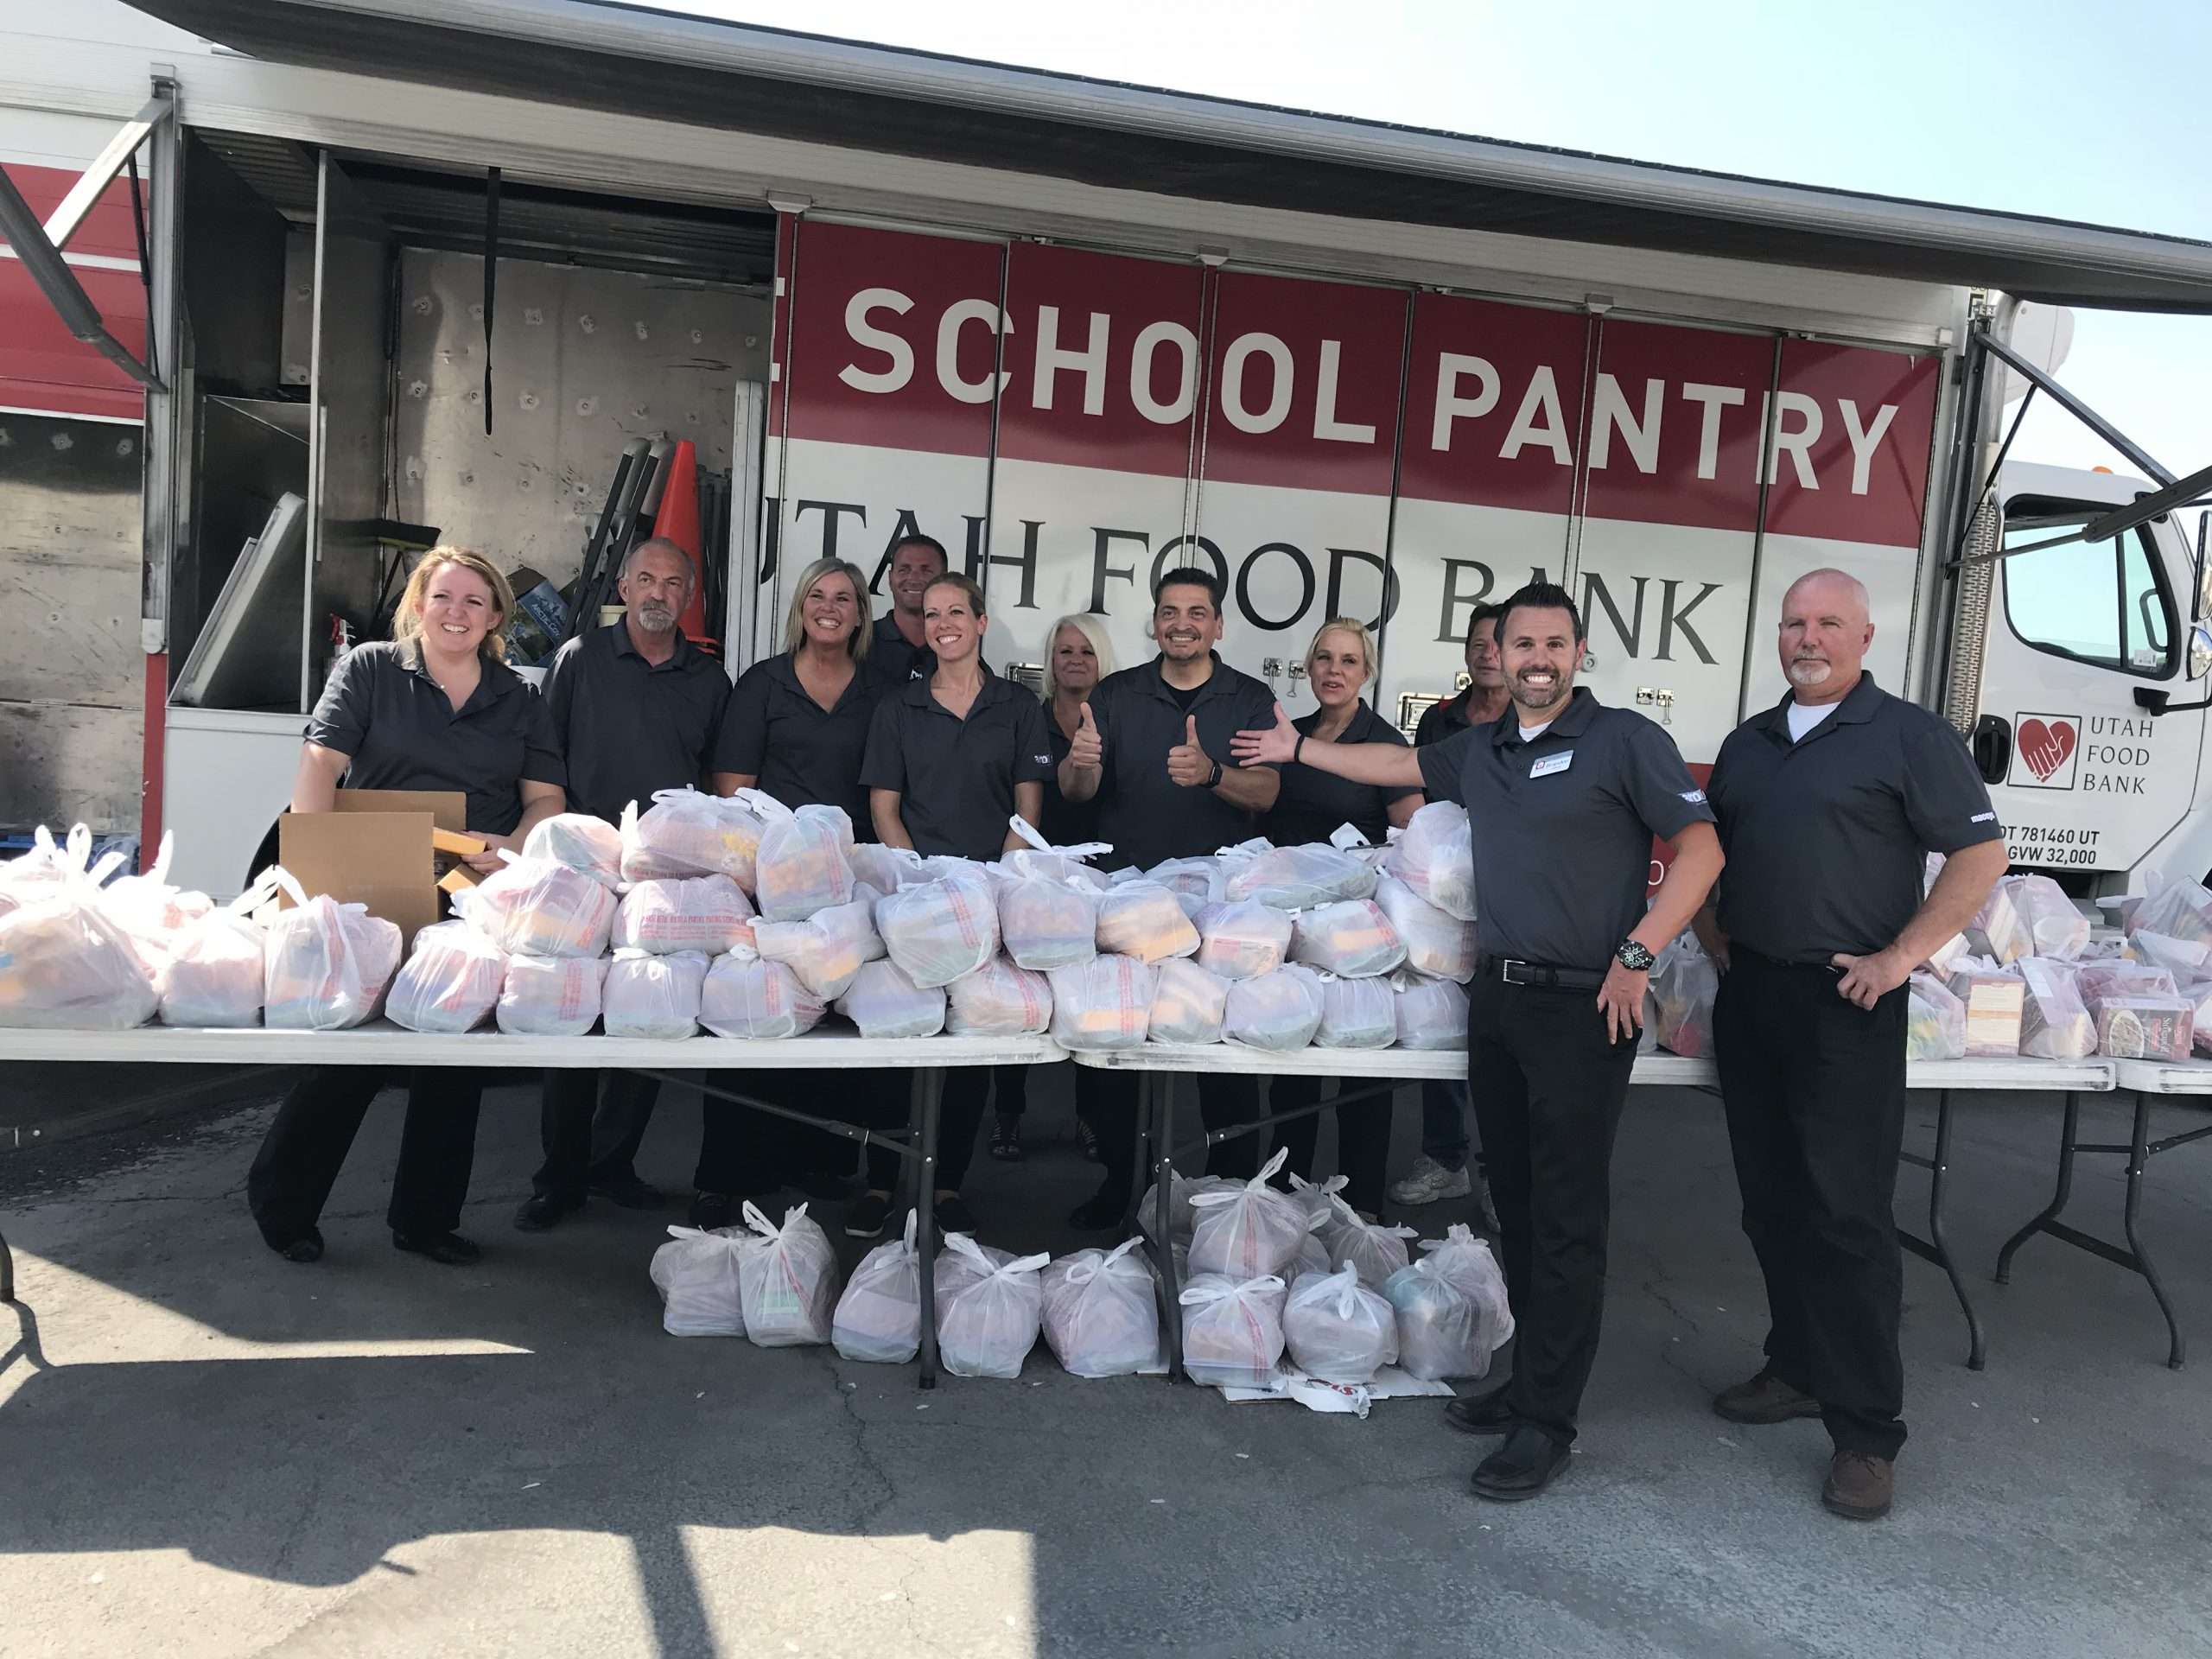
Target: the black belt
pixel 1543 976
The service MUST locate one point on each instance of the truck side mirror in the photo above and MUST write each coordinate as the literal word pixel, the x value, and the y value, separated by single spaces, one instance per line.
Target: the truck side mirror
pixel 2203 597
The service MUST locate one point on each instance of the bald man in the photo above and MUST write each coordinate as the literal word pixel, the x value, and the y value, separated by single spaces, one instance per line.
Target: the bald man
pixel 1828 804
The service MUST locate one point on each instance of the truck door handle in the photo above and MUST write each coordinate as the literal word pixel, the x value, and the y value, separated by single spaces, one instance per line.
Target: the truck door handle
pixel 1992 748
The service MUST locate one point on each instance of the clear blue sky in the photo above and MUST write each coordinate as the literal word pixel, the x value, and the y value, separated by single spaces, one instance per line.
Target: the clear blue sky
pixel 2106 117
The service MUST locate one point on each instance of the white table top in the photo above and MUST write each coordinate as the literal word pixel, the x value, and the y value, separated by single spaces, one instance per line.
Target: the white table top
pixel 2191 1077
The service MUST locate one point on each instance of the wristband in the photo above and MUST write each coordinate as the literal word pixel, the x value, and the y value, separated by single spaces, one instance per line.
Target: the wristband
pixel 1298 748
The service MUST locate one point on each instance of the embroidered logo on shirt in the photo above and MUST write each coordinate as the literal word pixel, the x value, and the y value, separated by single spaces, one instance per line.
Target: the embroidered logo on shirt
pixel 1552 763
pixel 1694 796
pixel 1983 818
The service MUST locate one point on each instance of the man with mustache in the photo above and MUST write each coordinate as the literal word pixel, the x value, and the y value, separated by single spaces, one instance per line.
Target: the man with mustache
pixel 636 708
pixel 1828 803
pixel 1566 797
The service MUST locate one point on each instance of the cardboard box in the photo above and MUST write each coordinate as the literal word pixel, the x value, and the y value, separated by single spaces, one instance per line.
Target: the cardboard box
pixel 374 850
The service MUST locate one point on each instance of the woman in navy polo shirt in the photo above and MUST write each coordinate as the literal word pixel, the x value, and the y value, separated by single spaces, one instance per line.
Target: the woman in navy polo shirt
pixel 436 707
pixel 950 759
pixel 1309 807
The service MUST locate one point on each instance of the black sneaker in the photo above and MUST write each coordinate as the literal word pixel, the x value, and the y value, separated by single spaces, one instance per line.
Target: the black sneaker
pixel 628 1192
pixel 448 1249
pixel 1006 1138
pixel 866 1216
pixel 711 1211
pixel 1101 1212
pixel 954 1217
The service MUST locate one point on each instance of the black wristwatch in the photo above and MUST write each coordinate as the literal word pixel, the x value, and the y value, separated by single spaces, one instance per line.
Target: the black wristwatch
pixel 1636 958
pixel 1215 778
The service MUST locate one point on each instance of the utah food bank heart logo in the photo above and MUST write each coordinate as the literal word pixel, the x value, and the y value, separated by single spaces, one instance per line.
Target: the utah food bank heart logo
pixel 2043 750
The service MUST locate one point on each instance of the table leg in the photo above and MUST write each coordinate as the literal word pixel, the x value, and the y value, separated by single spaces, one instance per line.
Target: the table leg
pixel 1145 1083
pixel 6 1272
pixel 1936 1247
pixel 928 1093
pixel 2049 1212
pixel 2138 1156
pixel 1163 1142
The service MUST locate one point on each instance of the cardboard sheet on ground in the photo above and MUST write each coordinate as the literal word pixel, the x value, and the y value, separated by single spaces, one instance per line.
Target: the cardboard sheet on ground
pixel 1311 1392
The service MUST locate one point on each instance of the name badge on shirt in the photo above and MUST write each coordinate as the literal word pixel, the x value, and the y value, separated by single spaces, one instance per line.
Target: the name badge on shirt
pixel 1552 763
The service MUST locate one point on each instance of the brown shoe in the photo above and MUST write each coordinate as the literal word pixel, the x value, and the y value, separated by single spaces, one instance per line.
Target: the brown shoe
pixel 1859 1486
pixel 1764 1398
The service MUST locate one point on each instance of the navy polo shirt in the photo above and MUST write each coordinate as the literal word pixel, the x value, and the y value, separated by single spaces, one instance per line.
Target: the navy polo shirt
pixel 1826 836
pixel 892 657
pixel 1311 803
pixel 627 727
pixel 799 751
pixel 955 777
pixel 382 711
pixel 1146 814
pixel 1563 825
pixel 1442 720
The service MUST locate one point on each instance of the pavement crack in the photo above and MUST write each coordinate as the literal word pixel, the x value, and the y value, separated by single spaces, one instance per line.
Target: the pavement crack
pixel 865 1518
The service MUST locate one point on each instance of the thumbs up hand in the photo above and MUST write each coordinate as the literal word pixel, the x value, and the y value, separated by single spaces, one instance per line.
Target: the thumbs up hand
pixel 1188 764
pixel 1273 747
pixel 1086 749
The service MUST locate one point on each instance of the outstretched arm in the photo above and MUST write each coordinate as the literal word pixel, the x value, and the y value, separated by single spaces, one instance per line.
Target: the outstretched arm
pixel 1384 765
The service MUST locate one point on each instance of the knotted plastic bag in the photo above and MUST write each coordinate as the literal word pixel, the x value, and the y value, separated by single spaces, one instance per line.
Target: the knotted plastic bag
pixel 1142 919
pixel 2179 909
pixel 1434 856
pixel 450 982
pixel 1452 1308
pixel 2054 1023
pixel 1302 877
pixel 787 1280
pixel 532 907
pixel 326 966
pixel 801 867
pixel 1104 1003
pixel 1247 1229
pixel 1338 1329
pixel 884 1002
pixel 1244 940
pixel 1048 901
pixel 748 996
pixel 1685 982
pixel 650 996
pixel 707 913
pixel 878 1319
pixel 1357 1013
pixel 1188 1003
pixel 552 997
pixel 65 963
pixel 937 931
pixel 1432 1012
pixel 1101 1317
pixel 988 1322
pixel 1232 1330
pixel 214 977
pixel 1181 1217
pixel 1351 938
pixel 696 1273
pixel 1373 1250
pixel 47 868
pixel 152 912
pixel 827 948
pixel 683 833
pixel 1437 943
pixel 1278 1012
pixel 998 999
pixel 581 841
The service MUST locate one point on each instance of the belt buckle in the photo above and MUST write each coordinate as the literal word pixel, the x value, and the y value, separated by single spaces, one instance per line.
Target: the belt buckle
pixel 1506 972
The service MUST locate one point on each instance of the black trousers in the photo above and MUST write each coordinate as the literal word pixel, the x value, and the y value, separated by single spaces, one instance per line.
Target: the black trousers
pixel 620 1102
pixel 1548 1087
pixel 1010 1091
pixel 960 1119
pixel 749 1154
pixel 1225 1098
pixel 305 1146
pixel 1363 1136
pixel 1814 1089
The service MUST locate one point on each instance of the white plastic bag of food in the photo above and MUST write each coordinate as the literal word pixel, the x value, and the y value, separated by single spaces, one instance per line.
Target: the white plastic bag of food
pixel 2198 993
pixel 937 931
pixel 1940 960
pixel 1338 1329
pixel 64 964
pixel 451 980
pixel 1248 1229
pixel 1374 1251
pixel 1351 938
pixel 1046 922
pixel 1182 1218
pixel 327 966
pixel 1685 983
pixel 1314 1198
pixel 1301 877
pixel 1101 1317
pixel 707 913
pixel 1196 882
pixel 1242 941
pixel 1187 1003
pixel 1142 919
pixel 787 1278
pixel 2184 959
pixel 47 868
pixel 581 841
pixel 2095 981
pixel 827 948
pixel 884 1002
pixel 696 1273
pixel 152 913
pixel 748 996
pixel 1438 944
pixel 1434 856
pixel 684 832
pixel 550 996
pixel 998 999
pixel 1995 1000
pixel 2180 909
pixel 878 1319
pixel 1451 1307
pixel 987 1323
pixel 529 908
pixel 214 976
pixel 1936 1021
pixel 1104 1003
pixel 1432 1012
pixel 1232 1330
pixel 802 865
pixel 2054 1024
pixel 1357 1013
pixel 1278 1012
pixel 1044 861
pixel 646 996
pixel 2152 1026
pixel 2031 916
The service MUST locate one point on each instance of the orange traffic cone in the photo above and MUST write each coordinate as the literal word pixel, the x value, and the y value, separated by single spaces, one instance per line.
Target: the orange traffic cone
pixel 679 522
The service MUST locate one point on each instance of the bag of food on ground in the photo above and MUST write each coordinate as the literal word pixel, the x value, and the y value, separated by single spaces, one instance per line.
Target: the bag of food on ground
pixel 1101 1317
pixel 684 832
pixel 884 1002
pixel 1278 1012
pixel 1181 1217
pixel 1242 941
pixel 827 948
pixel 2054 1024
pixel 2147 1027
pixel 1045 921
pixel 2095 981
pixel 1432 1012
pixel 64 964
pixel 650 996
pixel 1375 1251
pixel 2182 958
pixel 1338 1329
pixel 581 841
pixel 1936 1021
pixel 1452 1308
pixel 1313 1254
pixel 215 970
pixel 450 982
pixel 1357 1013
pixel 326 966
pixel 1302 877
pixel 962 1265
pixel 878 1319
pixel 802 865
pixel 1438 944
pixel 1996 1002
pixel 1232 1330
pixel 550 996
pixel 1142 919
pixel 1351 938
pixel 1434 856
pixel 1248 1228
pixel 707 913
pixel 529 908
pixel 788 1280
pixel 1104 1003
pixel 998 999
pixel 748 996
pixel 1315 1198
pixel 696 1273
pixel 2179 909
pixel 1187 1003
pixel 1684 983
pixel 937 931
pixel 987 1323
